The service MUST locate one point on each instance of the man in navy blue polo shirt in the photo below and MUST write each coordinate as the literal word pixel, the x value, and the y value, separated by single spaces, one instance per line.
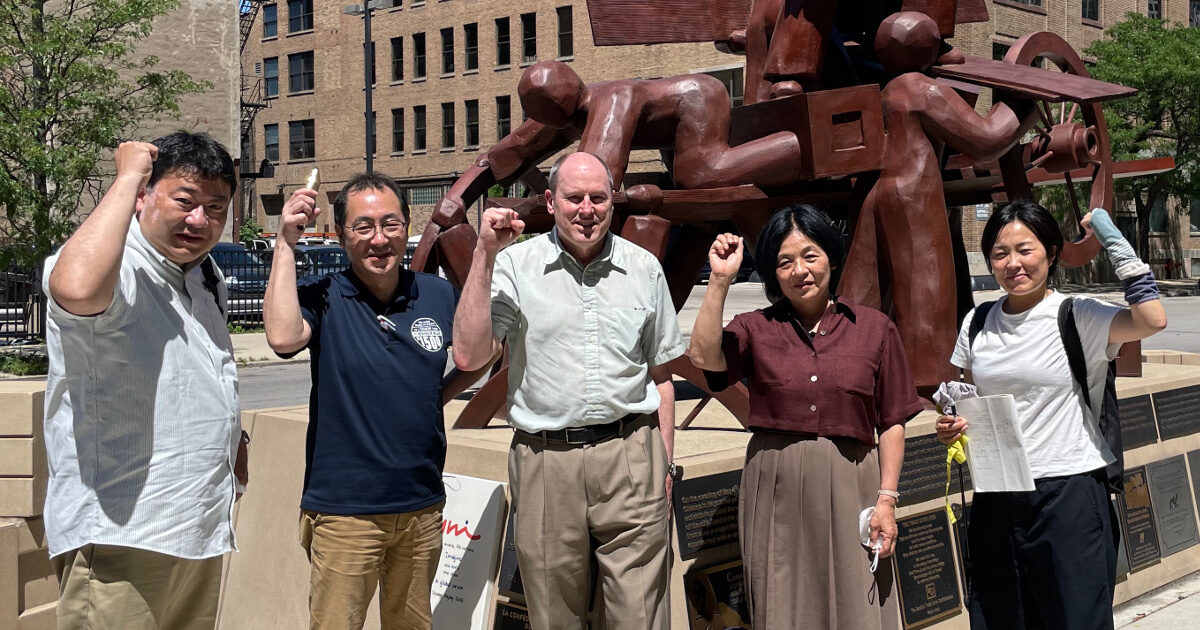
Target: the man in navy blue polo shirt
pixel 377 334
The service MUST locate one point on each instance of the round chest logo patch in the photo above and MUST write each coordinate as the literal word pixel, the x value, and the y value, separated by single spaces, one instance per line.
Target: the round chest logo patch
pixel 427 334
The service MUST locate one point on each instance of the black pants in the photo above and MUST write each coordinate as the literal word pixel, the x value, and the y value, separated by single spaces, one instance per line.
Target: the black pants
pixel 1044 559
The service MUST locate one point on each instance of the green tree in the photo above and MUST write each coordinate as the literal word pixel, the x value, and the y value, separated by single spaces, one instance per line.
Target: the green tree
pixel 1163 62
pixel 249 230
pixel 72 89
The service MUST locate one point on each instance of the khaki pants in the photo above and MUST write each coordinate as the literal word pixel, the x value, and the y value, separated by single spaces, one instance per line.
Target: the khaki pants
pixel 608 496
pixel 351 554
pixel 103 587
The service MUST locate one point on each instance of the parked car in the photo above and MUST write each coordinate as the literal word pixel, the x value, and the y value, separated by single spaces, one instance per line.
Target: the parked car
pixel 986 282
pixel 320 259
pixel 245 276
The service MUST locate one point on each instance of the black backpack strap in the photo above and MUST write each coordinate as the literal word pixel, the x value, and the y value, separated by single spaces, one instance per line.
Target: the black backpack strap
pixel 1074 347
pixel 977 320
pixel 211 281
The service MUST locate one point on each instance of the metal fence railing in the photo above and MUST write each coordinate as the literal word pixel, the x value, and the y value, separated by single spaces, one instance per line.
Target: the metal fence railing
pixel 22 308
pixel 246 273
pixel 23 305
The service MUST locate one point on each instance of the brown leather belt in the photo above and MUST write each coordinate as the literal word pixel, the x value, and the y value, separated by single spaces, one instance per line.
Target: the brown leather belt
pixel 590 434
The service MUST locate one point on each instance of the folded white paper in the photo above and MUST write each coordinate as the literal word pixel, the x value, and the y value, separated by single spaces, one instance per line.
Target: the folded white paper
pixel 995 451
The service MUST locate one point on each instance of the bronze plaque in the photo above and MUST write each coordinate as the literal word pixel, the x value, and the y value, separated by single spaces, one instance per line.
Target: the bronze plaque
pixel 924 474
pixel 1141 538
pixel 706 511
pixel 1137 422
pixel 1171 495
pixel 716 597
pixel 925 569
pixel 1178 412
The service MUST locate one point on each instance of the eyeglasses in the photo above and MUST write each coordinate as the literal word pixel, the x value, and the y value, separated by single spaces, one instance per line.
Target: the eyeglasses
pixel 390 229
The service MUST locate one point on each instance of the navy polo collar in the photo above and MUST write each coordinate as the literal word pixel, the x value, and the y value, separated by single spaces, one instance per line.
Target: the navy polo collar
pixel 351 286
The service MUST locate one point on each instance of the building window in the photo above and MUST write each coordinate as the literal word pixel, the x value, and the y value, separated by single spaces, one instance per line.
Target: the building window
pixel 397 59
pixel 419 128
pixel 528 37
pixel 271 142
pixel 448 51
pixel 270 20
pixel 1194 13
pixel 471 46
pixel 300 72
pixel 1194 217
pixel 1158 216
pixel 300 15
pixel 398 130
pixel 426 195
pixel 302 139
pixel 503 44
pixel 566 33
pixel 1030 3
pixel 734 83
pixel 472 123
pixel 1154 9
pixel 371 60
pixel 447 125
pixel 1091 10
pixel 418 55
pixel 503 116
pixel 999 50
pixel 271 77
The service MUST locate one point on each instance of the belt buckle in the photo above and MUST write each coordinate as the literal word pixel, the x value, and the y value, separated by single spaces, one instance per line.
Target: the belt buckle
pixel 570 430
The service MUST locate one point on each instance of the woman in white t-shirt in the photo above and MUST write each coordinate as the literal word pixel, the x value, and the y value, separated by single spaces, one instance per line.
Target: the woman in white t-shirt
pixel 1047 558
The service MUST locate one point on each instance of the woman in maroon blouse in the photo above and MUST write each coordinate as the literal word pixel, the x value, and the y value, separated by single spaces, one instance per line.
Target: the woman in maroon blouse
pixel 825 377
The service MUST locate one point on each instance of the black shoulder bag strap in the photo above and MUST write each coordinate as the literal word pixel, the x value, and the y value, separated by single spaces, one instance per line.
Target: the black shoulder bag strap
pixel 211 281
pixel 1109 421
pixel 1074 347
pixel 977 320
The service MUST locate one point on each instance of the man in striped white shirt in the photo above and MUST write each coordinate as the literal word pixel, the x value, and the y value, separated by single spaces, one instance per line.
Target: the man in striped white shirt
pixel 142 423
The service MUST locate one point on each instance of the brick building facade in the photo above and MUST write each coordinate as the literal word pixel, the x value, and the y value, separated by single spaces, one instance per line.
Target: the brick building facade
pixel 446 73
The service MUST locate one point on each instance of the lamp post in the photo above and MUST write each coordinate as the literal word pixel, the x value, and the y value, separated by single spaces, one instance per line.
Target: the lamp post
pixel 368 66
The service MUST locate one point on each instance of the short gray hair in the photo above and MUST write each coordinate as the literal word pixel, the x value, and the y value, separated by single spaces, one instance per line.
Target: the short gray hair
pixel 559 162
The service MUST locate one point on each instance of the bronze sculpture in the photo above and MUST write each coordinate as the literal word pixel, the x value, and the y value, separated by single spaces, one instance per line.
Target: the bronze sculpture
pixel 826 146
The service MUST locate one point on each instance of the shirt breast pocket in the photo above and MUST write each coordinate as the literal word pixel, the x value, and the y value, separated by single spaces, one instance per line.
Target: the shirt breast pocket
pixel 625 328
pixel 855 374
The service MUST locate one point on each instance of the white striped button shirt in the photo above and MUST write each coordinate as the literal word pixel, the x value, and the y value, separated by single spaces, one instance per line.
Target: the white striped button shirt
pixel 581 339
pixel 142 421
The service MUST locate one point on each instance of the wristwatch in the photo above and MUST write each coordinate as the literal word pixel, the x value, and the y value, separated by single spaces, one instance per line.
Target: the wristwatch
pixel 246 436
pixel 675 470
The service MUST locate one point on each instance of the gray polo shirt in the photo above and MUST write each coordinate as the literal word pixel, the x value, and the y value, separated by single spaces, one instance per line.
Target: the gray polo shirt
pixel 581 339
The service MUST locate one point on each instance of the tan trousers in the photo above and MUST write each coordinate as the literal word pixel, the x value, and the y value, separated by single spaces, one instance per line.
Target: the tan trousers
pixel 350 555
pixel 103 587
pixel 609 497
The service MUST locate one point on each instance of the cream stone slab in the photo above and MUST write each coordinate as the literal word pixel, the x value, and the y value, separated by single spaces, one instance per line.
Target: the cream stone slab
pixel 22 496
pixel 22 456
pixel 21 407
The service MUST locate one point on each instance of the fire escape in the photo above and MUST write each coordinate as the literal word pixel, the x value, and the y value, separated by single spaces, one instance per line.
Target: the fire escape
pixel 252 100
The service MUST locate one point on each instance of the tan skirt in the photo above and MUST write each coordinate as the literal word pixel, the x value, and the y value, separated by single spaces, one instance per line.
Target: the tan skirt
pixel 804 562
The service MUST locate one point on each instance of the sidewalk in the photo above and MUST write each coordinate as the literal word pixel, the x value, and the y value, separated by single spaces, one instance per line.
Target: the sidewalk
pixel 252 349
pixel 1172 607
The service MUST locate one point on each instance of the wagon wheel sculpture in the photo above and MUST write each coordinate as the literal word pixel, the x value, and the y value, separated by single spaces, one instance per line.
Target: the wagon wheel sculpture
pixel 1076 150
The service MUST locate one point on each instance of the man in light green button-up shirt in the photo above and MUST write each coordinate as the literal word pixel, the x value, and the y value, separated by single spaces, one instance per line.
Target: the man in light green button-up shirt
pixel 590 326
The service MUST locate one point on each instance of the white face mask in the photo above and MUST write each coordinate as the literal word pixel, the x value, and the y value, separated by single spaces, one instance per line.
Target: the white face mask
pixel 864 531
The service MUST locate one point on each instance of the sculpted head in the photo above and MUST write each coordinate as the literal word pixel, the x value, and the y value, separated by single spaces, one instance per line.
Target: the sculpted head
pixel 550 92
pixel 907 41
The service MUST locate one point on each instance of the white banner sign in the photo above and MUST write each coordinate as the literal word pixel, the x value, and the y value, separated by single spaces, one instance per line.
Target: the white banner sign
pixel 472 531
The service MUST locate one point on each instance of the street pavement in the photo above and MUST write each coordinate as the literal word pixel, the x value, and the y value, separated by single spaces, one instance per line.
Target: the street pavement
pixel 1175 606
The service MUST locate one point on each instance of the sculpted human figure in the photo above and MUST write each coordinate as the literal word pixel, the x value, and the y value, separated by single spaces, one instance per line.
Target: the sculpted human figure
pixel 687 114
pixel 902 243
